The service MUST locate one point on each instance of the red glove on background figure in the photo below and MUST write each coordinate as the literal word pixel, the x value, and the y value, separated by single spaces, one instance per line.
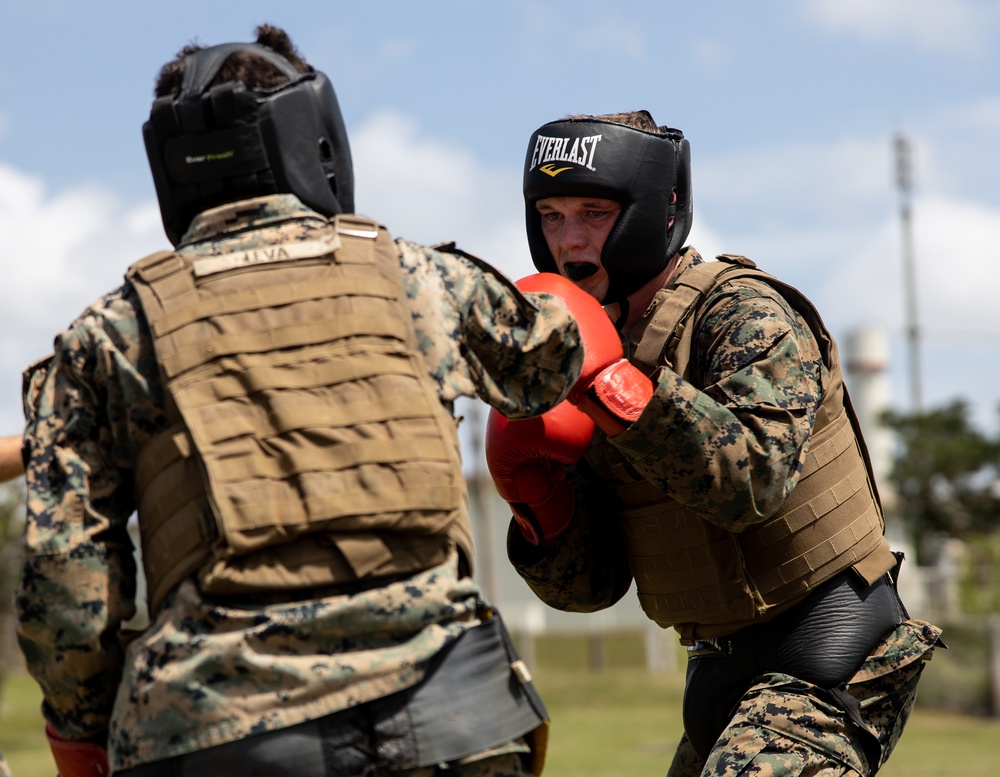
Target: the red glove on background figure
pixel 610 390
pixel 76 759
pixel 527 459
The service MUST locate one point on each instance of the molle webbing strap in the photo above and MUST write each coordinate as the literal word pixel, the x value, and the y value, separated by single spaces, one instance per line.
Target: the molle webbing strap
pixel 172 548
pixel 261 376
pixel 249 299
pixel 289 336
pixel 331 457
pixel 673 319
pixel 305 413
pixel 268 298
pixel 833 492
pixel 687 569
pixel 290 417
pixel 322 566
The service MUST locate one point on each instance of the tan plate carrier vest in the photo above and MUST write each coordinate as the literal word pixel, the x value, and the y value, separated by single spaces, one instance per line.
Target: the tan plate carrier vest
pixel 694 575
pixel 308 446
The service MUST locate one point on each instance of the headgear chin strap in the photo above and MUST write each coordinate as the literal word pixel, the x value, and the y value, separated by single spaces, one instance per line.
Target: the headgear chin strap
pixel 641 170
pixel 208 146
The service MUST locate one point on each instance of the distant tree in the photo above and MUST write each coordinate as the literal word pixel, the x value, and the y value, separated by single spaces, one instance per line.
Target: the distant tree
pixel 11 523
pixel 946 474
pixel 979 585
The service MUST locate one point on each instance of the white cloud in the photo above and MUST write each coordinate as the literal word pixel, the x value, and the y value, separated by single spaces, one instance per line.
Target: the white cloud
pixel 957 272
pixel 982 115
pixel 797 210
pixel 825 218
pixel 956 265
pixel 431 192
pixel 828 215
pixel 824 180
pixel 820 216
pixel 957 26
pixel 704 238
pixel 62 250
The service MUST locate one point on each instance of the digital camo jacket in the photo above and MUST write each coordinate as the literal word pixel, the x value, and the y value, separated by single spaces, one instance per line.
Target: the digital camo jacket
pixel 203 673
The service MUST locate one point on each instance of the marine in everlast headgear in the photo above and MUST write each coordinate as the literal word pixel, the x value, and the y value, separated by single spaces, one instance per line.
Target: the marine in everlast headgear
pixel 647 171
pixel 274 399
pixel 719 468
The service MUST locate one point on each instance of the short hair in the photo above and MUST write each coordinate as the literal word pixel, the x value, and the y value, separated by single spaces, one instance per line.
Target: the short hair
pixel 640 120
pixel 243 66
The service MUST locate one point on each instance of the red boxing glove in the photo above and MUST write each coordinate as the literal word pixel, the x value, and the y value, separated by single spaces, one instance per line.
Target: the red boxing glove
pixel 76 759
pixel 527 459
pixel 610 389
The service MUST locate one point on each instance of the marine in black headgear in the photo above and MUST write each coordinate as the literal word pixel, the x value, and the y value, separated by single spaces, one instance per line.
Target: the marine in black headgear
pixel 209 145
pixel 642 170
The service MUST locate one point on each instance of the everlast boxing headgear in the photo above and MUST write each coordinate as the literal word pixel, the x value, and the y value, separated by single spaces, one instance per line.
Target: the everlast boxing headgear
pixel 208 146
pixel 641 170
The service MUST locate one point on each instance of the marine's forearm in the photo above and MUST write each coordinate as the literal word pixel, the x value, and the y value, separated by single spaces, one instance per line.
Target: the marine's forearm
pixel 732 466
pixel 11 461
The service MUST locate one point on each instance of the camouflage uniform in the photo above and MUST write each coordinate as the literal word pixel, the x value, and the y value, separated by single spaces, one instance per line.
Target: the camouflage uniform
pixel 204 673
pixel 729 443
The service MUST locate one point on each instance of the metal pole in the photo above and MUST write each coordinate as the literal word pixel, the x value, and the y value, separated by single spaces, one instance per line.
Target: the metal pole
pixel 904 182
pixel 993 641
pixel 480 499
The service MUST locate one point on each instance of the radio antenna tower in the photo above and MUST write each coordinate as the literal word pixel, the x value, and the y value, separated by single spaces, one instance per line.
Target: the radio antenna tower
pixel 904 183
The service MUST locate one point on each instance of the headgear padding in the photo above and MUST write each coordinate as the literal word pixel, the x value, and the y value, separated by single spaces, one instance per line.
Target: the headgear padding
pixel 207 146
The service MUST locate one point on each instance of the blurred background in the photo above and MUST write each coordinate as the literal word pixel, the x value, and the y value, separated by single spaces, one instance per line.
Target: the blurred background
pixel 847 146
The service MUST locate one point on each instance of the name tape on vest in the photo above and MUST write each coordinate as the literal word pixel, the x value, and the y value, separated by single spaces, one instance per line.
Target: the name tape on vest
pixel 283 252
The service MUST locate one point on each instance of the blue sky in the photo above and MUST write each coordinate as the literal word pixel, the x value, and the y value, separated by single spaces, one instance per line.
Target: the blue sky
pixel 790 109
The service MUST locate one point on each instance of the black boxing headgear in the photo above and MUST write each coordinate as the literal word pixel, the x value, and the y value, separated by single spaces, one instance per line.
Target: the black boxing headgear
pixel 209 146
pixel 639 169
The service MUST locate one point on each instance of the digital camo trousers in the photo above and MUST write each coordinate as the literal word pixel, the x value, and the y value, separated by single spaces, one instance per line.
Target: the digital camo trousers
pixel 784 727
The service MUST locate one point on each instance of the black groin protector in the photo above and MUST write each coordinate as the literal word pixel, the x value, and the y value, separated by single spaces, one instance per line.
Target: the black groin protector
pixel 208 146
pixel 639 169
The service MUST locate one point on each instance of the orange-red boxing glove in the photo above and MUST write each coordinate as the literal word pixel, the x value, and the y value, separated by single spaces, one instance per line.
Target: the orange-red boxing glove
pixel 527 459
pixel 76 759
pixel 610 389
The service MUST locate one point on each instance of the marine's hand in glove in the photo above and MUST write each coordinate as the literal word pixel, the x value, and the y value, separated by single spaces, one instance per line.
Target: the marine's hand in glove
pixel 76 759
pixel 527 459
pixel 610 389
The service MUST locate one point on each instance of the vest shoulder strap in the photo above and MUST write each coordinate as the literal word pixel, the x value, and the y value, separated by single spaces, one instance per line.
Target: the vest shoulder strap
pixel 670 328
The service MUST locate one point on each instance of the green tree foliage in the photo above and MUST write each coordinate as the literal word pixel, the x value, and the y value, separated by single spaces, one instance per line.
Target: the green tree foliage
pixel 946 473
pixel 946 476
pixel 979 585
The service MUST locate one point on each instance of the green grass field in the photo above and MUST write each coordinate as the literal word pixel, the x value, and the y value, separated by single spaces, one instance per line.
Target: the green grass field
pixel 619 722
pixel 625 723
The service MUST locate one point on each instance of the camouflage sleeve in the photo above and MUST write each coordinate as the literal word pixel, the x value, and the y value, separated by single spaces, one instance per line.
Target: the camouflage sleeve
pixel 586 569
pixel 482 338
pixel 729 443
pixel 32 380
pixel 77 581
